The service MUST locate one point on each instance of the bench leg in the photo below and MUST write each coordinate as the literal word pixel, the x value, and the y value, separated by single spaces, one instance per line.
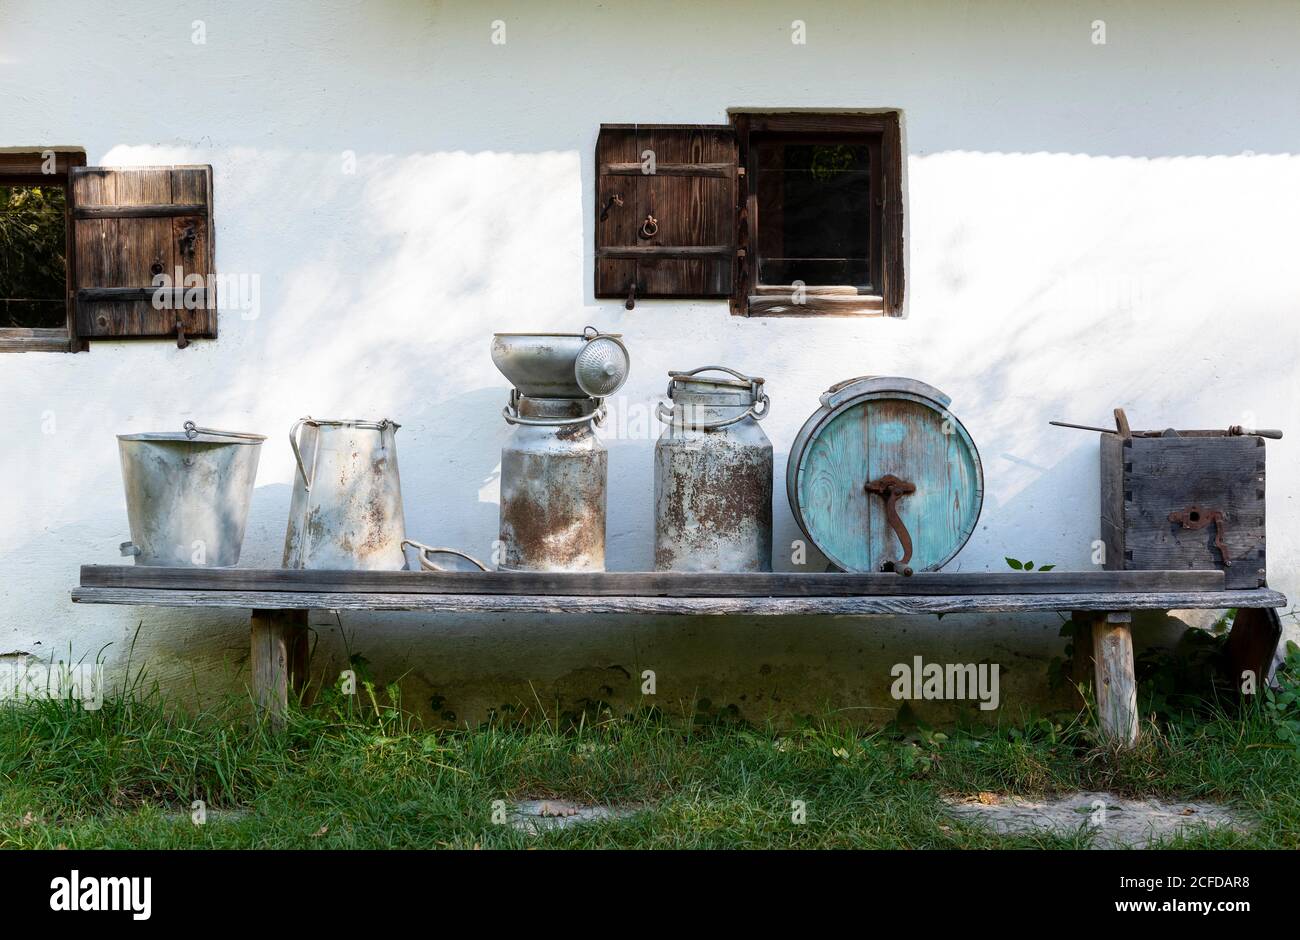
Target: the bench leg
pixel 1114 682
pixel 279 641
pixel 1081 667
pixel 1252 644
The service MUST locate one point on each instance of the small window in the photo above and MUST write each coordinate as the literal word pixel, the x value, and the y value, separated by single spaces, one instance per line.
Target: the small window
pixel 35 249
pixel 820 231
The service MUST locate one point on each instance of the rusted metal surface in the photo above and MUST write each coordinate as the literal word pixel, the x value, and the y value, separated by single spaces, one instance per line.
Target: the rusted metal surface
pixel 1194 518
pixel 346 509
pixel 187 494
pixel 713 475
pixel 891 489
pixel 553 481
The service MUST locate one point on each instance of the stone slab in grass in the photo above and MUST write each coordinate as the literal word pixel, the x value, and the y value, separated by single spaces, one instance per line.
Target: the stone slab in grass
pixel 534 816
pixel 1114 821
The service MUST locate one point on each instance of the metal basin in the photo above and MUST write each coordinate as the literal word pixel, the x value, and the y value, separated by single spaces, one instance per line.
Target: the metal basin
pixel 541 365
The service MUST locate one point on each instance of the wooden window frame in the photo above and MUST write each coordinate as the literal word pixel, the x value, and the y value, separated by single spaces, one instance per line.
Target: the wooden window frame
pixel 880 131
pixel 22 167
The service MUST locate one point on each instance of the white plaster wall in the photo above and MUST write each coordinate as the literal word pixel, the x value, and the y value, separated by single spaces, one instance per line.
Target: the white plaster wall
pixel 1088 226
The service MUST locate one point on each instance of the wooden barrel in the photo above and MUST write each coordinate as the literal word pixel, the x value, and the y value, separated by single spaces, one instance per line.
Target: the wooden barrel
pixel 877 441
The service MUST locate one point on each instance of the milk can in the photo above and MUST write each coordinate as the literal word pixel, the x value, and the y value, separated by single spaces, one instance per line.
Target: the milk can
pixel 346 508
pixel 713 474
pixel 553 470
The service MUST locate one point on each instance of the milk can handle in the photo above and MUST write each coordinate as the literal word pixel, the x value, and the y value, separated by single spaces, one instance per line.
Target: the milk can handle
pixel 740 375
pixel 665 414
pixel 426 550
pixel 512 416
pixel 297 454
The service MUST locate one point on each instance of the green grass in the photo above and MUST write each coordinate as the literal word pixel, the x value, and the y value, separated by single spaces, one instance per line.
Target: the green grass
pixel 359 773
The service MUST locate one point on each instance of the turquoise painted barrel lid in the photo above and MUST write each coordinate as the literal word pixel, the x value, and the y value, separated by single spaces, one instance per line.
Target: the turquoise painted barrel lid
pixel 874 441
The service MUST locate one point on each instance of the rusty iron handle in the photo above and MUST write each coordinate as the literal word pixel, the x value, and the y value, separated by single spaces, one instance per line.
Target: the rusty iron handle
pixel 1195 518
pixel 650 227
pixel 891 489
pixel 615 199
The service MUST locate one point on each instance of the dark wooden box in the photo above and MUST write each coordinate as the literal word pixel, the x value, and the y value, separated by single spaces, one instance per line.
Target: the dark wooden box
pixel 1211 483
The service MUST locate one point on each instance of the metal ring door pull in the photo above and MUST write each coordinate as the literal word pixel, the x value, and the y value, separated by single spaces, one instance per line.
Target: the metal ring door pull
pixel 650 227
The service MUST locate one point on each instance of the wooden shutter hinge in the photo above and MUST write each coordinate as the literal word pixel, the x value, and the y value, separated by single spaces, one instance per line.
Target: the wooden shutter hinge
pixel 631 296
pixel 181 341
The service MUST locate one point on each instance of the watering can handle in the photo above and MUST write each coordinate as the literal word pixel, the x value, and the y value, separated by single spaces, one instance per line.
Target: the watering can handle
pixel 297 454
pixel 426 550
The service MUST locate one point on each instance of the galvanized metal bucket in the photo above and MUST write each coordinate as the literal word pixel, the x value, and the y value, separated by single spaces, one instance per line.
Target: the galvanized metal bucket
pixel 553 473
pixel 187 494
pixel 346 510
pixel 713 474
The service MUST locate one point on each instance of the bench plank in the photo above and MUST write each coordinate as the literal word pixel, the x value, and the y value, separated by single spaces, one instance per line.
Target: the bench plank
pixel 648 584
pixel 603 604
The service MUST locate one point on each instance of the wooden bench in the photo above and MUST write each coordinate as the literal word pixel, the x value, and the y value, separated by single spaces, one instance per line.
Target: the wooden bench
pixel 1101 603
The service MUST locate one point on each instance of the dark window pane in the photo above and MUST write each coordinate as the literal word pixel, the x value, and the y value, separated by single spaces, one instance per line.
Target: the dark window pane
pixel 33 269
pixel 814 222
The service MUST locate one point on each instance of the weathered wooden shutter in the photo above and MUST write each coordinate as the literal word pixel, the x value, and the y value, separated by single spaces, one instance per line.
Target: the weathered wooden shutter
pixel 683 176
pixel 130 225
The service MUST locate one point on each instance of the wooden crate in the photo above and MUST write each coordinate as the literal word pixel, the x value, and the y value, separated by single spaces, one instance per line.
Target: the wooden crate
pixel 1214 481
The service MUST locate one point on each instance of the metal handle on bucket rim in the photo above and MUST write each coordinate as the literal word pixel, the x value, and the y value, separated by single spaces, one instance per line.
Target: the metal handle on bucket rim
pixel 665 414
pixel 192 431
pixel 512 416
pixel 426 550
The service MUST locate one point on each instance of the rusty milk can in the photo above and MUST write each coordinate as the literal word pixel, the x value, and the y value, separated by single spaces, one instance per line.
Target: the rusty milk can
pixel 346 509
pixel 713 474
pixel 553 471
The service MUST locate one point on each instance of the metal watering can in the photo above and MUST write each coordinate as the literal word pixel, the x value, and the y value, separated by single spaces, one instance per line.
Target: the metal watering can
pixel 346 510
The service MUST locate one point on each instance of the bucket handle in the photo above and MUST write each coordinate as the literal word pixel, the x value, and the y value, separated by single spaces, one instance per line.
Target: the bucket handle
pixel 297 454
pixel 192 431
pixel 426 550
